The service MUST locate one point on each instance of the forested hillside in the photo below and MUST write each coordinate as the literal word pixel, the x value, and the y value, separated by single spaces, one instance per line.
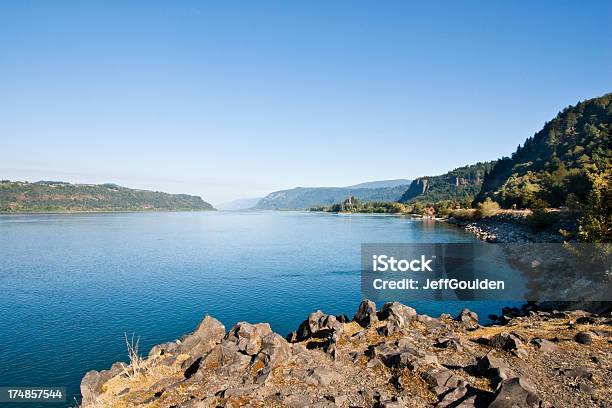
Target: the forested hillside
pixel 307 197
pixel 460 185
pixel 52 196
pixel 556 166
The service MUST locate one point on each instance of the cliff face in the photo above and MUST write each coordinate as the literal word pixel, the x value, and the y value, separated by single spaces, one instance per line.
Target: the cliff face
pixel 388 358
pixel 462 183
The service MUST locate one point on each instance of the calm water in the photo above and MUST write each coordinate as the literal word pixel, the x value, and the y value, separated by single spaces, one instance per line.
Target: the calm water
pixel 72 285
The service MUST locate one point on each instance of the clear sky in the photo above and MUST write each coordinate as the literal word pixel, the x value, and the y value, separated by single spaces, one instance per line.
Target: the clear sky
pixel 237 99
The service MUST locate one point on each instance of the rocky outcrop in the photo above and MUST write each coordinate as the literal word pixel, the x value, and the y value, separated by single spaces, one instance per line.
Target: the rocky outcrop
pixel 392 357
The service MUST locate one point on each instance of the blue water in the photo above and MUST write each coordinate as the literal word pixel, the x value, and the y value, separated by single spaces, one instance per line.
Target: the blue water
pixel 72 285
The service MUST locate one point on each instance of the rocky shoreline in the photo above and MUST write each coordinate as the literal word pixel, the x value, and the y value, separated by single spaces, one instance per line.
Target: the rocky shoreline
pixel 505 228
pixel 391 357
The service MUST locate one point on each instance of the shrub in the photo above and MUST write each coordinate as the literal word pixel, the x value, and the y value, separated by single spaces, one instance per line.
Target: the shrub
pixel 541 219
pixel 487 208
pixel 463 214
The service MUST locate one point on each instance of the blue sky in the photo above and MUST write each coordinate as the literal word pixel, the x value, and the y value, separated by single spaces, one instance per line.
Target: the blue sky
pixel 237 99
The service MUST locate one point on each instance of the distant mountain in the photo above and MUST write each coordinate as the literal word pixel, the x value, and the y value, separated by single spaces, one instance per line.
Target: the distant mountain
pixel 382 184
pixel 460 184
pixel 308 197
pixel 239 204
pixel 555 167
pixel 57 196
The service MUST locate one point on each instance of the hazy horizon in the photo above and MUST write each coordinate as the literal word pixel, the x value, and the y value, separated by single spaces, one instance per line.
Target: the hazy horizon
pixel 232 101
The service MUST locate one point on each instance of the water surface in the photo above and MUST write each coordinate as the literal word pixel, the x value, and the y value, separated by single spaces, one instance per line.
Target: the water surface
pixel 71 285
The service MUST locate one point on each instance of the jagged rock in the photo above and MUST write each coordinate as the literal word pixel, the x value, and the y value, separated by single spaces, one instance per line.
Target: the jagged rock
pixel 509 342
pixel 584 338
pixel 248 337
pixel 395 311
pixel 453 395
pixel 274 351
pixel 318 325
pixel 342 318
pixel 468 319
pixel 225 356
pixel 544 345
pixel 92 382
pixel 366 314
pixel 440 377
pixel 163 349
pixel 208 333
pixel 494 368
pixel 517 392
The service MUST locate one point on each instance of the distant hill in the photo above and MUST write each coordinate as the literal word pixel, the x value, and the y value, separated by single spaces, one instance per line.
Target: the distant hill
pixel 57 196
pixel 382 184
pixel 308 197
pixel 552 168
pixel 239 204
pixel 460 184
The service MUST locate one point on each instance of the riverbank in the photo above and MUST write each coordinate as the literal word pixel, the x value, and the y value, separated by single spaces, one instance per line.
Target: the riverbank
pixel 505 227
pixel 393 357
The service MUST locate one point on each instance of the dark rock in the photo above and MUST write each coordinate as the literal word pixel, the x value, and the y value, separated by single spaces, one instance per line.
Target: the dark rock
pixel 366 314
pixel 506 341
pixel 468 319
pixel 342 318
pixel 319 325
pixel 585 320
pixel 192 368
pixel 494 368
pixel 397 312
pixel 584 338
pixel 517 392
pixel 453 395
pixel 449 342
pixel 440 377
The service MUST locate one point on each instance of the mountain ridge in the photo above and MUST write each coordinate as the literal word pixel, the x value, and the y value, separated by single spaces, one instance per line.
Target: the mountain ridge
pixel 61 196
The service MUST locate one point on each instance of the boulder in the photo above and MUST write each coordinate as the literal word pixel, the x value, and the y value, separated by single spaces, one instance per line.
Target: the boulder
pixel 517 392
pixel 274 351
pixel 397 313
pixel 321 376
pixel 506 341
pixel 544 345
pixel 439 377
pixel 92 382
pixel 366 314
pixel 468 319
pixel 494 368
pixel 208 333
pixel 318 325
pixel 248 337
pixel 583 338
